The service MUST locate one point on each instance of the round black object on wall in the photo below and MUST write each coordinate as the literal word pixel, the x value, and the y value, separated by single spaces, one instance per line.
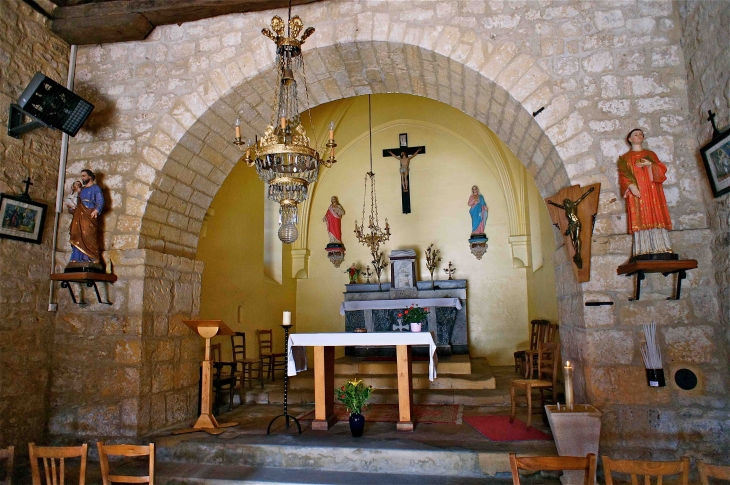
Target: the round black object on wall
pixel 685 379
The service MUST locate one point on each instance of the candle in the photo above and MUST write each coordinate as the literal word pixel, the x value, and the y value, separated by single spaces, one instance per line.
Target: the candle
pixel 332 130
pixel 283 123
pixel 287 318
pixel 568 376
pixel 238 127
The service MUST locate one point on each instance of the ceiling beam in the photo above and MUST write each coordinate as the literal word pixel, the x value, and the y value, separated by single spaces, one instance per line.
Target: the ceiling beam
pixel 129 20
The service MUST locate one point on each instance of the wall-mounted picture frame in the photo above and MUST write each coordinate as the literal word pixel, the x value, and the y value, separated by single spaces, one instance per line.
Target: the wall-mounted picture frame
pixel 21 219
pixel 716 156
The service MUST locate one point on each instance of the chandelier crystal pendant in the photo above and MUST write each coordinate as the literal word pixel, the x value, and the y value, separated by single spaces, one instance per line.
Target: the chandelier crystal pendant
pixel 375 235
pixel 282 156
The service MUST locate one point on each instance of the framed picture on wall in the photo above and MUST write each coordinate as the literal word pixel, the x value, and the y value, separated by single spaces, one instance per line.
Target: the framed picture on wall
pixel 716 156
pixel 21 219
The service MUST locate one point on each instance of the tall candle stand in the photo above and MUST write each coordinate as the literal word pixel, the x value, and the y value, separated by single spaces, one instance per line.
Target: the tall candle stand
pixel 286 414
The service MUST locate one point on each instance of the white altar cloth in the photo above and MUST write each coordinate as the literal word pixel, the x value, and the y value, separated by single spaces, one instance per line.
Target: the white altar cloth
pixel 376 339
pixel 349 306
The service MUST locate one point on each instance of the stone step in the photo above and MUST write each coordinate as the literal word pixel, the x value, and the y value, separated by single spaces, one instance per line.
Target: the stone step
pixel 305 380
pixel 467 397
pixel 180 473
pixel 298 459
pixel 455 364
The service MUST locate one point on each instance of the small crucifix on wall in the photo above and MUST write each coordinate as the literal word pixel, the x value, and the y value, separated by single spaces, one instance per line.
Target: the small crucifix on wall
pixel 404 154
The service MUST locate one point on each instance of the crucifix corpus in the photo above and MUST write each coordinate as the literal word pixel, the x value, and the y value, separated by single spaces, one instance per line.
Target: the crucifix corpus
pixel 404 154
pixel 573 211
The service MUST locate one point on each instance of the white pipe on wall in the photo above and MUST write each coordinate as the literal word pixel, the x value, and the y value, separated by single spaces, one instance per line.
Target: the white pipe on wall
pixel 52 307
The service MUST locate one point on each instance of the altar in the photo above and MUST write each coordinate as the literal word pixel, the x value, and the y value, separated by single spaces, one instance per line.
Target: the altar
pixel 373 307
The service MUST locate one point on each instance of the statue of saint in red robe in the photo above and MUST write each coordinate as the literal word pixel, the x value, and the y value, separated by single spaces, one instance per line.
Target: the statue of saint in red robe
pixel 333 218
pixel 641 176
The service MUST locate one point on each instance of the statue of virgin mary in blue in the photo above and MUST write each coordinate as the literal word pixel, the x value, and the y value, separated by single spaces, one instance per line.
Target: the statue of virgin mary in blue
pixel 478 211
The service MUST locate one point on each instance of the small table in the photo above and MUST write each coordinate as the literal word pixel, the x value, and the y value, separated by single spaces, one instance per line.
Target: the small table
pixel 324 368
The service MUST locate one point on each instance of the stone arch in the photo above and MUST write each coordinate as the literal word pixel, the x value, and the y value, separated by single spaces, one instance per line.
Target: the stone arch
pixel 199 161
pixel 197 164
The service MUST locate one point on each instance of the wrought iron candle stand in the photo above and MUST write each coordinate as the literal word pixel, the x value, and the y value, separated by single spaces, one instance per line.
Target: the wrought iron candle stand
pixel 286 414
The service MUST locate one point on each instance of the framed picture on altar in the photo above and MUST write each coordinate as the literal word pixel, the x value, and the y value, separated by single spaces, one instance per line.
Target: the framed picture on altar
pixel 716 156
pixel 402 274
pixel 21 219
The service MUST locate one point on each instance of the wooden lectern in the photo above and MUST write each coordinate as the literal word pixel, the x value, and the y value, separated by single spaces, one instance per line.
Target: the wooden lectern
pixel 207 422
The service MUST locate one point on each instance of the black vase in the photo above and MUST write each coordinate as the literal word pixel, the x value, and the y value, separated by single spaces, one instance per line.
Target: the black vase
pixel 357 424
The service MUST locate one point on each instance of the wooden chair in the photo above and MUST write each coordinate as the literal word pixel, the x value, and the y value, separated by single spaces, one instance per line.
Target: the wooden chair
pixel 127 451
pixel 537 330
pixel 244 367
pixel 272 361
pixel 55 474
pixel 554 463
pixel 712 471
pixel 8 454
pixel 547 364
pixel 648 469
pixel 224 378
pixel 547 337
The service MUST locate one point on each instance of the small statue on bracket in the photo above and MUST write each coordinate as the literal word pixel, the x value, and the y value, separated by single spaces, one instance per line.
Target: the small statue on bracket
pixel 641 176
pixel 84 236
pixel 335 249
pixel 479 212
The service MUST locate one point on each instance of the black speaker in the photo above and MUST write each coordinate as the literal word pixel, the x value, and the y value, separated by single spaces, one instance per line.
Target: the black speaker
pixel 54 105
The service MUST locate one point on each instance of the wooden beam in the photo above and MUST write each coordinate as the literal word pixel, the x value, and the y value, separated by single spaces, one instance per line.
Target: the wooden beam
pixel 102 30
pixel 126 20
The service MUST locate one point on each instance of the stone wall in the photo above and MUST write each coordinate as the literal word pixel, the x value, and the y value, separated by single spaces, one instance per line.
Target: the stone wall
pixel 132 367
pixel 708 87
pixel 26 46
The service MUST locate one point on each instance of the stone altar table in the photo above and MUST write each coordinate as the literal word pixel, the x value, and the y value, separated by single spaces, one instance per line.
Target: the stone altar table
pixel 447 319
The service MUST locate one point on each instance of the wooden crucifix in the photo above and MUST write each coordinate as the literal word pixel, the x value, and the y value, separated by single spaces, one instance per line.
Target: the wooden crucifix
pixel 404 154
pixel 573 211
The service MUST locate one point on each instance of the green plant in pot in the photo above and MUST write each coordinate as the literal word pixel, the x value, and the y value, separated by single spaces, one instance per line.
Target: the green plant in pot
pixel 354 395
pixel 416 316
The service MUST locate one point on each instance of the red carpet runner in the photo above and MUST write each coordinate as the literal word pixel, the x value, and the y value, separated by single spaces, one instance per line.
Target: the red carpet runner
pixel 498 428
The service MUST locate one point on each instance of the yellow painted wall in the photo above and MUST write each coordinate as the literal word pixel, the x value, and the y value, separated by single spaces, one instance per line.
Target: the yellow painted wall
pixel 458 156
pixel 541 292
pixel 233 253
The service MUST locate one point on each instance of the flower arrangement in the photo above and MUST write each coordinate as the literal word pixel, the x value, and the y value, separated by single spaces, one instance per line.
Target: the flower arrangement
pixel 414 314
pixel 354 395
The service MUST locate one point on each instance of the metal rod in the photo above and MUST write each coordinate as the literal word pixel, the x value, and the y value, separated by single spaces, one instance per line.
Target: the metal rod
pixel 61 176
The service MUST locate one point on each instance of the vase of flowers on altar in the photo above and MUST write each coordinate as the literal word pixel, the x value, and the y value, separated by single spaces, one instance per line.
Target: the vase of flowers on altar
pixel 354 395
pixel 414 315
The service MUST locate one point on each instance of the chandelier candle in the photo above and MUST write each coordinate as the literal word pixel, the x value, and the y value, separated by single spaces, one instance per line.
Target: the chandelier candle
pixel 568 377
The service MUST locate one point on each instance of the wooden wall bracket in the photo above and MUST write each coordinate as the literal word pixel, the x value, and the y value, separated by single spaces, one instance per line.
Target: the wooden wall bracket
pixel 89 279
pixel 640 268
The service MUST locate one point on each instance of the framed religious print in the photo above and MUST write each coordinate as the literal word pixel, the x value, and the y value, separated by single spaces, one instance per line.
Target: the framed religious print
pixel 716 156
pixel 21 219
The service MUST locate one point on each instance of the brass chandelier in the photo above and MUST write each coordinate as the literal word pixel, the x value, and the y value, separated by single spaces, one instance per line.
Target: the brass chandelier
pixel 375 235
pixel 282 156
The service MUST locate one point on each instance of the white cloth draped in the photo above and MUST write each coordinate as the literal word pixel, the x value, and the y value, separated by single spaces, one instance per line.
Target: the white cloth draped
pixel 297 358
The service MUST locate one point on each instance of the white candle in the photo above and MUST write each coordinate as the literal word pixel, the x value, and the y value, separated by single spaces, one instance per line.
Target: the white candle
pixel 568 377
pixel 287 318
